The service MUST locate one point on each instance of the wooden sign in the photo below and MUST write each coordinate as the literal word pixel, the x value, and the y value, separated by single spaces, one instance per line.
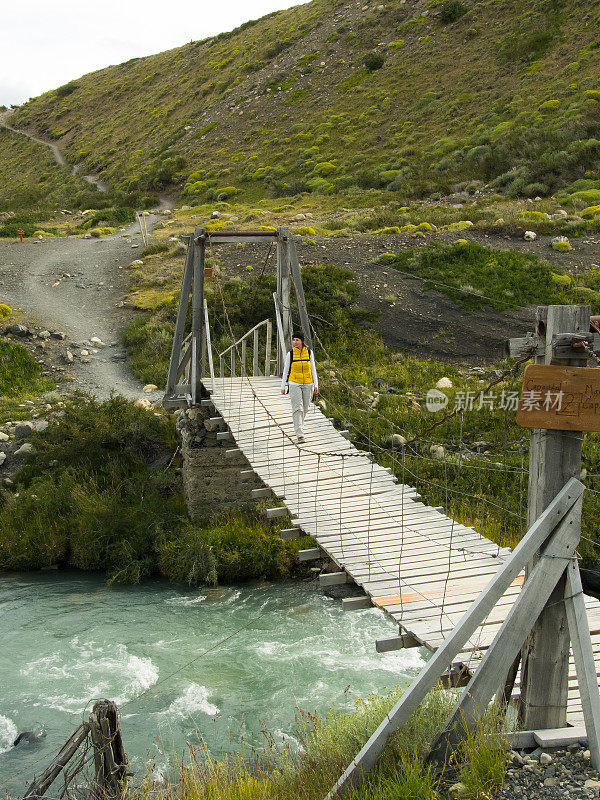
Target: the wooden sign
pixel 560 398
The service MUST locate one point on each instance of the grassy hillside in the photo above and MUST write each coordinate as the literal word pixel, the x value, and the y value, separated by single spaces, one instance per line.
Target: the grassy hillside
pixel 337 97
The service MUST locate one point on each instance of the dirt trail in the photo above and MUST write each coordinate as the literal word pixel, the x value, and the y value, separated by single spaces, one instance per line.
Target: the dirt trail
pixel 33 278
pixel 56 152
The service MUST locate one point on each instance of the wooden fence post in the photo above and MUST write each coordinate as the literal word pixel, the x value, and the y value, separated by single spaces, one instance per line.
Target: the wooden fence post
pixel 555 456
pixel 110 760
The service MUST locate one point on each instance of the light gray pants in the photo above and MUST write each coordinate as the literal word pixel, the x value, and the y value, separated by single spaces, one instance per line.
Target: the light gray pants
pixel 300 396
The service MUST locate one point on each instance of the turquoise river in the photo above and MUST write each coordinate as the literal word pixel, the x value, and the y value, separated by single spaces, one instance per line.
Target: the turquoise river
pixel 185 666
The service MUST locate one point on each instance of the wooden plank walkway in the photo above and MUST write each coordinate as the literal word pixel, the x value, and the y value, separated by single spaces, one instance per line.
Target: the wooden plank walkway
pixel 416 564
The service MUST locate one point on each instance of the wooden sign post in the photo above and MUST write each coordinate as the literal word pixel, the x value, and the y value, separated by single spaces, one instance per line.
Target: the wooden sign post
pixel 560 398
pixel 555 457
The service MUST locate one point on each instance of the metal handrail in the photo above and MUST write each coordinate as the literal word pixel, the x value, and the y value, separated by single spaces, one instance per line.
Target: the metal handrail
pixel 242 341
pixel 245 336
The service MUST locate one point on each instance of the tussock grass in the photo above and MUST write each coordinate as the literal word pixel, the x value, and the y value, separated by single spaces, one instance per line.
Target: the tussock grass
pixel 329 742
pixel 484 756
pixel 98 496
pixel 20 379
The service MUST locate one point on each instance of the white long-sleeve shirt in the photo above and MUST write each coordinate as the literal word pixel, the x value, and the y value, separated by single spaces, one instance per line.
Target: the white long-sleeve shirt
pixel 286 368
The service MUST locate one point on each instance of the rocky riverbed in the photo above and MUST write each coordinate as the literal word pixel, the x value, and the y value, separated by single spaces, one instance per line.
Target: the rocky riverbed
pixel 551 775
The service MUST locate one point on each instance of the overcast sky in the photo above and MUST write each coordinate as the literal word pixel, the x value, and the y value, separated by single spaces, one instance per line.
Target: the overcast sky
pixel 45 44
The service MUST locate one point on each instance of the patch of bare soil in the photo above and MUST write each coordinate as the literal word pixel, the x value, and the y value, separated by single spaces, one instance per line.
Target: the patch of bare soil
pixel 427 324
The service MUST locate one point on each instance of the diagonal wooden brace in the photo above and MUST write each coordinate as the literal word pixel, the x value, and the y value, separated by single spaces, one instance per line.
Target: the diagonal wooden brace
pixel 583 654
pixel 510 638
pixel 456 640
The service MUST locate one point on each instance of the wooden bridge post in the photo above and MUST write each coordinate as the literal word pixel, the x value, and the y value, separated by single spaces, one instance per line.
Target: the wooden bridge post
pixel 184 298
pixel 283 290
pixel 299 291
pixel 199 239
pixel 555 457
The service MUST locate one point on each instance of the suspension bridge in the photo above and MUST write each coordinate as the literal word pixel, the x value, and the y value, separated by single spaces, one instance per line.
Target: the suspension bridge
pixel 423 568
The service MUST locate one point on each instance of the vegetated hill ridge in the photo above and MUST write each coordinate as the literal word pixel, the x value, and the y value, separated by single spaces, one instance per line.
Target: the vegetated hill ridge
pixel 339 96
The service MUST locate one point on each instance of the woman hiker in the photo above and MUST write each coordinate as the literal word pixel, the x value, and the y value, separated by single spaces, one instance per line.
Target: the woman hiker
pixel 300 375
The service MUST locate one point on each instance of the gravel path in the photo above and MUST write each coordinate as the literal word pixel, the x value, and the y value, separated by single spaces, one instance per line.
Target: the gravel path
pixel 74 285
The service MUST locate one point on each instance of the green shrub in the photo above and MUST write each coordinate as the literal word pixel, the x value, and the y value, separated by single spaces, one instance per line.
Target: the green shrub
pixel 590 196
pixel 325 168
pixel 67 89
pixel 226 192
pixel 452 10
pixel 245 547
pixel 562 247
pixel 532 216
pixel 374 61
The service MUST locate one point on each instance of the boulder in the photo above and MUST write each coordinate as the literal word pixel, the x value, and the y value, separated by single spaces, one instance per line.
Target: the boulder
pixel 58 335
pixel 18 330
pixel 68 357
pixel 150 387
pixel 437 451
pixel 25 449
pixel 43 335
pixel 143 402
pixel 24 429
pixel 97 341
pixel 41 426
pixel 444 383
pixel 530 236
pixel 2 458
pixel 394 441
pixel 4 437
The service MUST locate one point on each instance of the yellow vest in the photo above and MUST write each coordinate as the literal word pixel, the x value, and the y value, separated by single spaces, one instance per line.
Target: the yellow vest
pixel 300 371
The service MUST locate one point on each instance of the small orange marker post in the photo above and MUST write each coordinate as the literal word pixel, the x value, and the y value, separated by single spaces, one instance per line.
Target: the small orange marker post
pixel 20 231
